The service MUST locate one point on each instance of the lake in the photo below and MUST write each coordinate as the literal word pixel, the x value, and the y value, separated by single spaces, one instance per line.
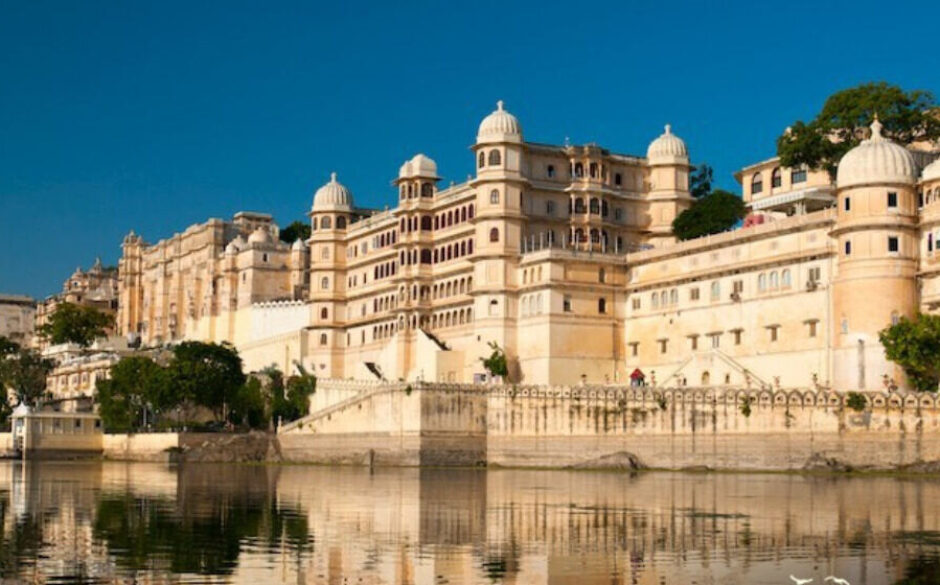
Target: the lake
pixel 96 522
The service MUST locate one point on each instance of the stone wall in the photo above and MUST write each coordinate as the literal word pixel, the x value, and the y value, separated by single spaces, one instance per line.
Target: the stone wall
pixel 586 426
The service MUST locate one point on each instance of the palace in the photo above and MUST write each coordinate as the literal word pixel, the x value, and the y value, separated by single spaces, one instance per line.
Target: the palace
pixel 564 256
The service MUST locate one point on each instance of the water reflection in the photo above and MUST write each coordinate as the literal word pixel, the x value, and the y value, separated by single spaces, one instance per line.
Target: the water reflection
pixel 139 523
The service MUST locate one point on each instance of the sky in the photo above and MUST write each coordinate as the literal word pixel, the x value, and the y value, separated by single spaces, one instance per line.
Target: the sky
pixel 153 116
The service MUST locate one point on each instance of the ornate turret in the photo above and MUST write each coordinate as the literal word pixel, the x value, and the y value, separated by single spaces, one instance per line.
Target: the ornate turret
pixel 669 195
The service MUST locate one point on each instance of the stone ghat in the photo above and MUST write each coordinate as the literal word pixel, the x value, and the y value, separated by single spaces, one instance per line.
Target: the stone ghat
pixel 601 427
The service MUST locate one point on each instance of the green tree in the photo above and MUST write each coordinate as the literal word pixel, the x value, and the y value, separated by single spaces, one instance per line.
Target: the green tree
pixel 207 374
pixel 8 346
pixel 296 230
pixel 25 373
pixel 136 383
pixel 700 181
pixel 496 364
pixel 71 323
pixel 716 212
pixel 914 344
pixel 248 405
pixel 843 122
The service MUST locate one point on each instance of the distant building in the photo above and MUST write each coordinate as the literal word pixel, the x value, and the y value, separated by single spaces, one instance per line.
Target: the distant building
pixel 564 256
pixel 17 318
pixel 97 287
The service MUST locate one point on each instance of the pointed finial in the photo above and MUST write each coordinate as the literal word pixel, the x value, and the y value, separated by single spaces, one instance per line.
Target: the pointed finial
pixel 333 177
pixel 499 105
pixel 668 128
pixel 876 129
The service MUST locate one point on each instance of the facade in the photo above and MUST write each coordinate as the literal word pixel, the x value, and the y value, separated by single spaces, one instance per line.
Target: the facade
pixel 564 257
pixel 96 287
pixel 17 318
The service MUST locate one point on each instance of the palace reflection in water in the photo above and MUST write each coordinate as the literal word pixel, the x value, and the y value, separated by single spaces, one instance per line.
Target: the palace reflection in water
pixel 142 523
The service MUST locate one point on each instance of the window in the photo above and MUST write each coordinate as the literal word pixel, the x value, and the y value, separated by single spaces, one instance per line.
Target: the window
pixel 324 313
pixel 602 305
pixel 776 178
pixel 798 176
pixel 549 208
pixel 593 170
pixel 773 332
pixel 655 300
pixel 427 190
pixel 341 223
pixel 579 205
pixel 716 290
pixel 848 248
pixel 495 158
pixel 762 282
pixel 847 204
pixel 324 283
pixel 814 273
pixel 595 206
pixel 550 171
pixel 844 325
pixel 930 242
pixel 892 243
pixel 601 275
pixel 693 294
pixel 636 304
pixel 693 341
pixel 578 170
pixel 482 161
pixel 785 279
pixel 811 325
pixel 737 336
pixel 674 297
pixel 566 304
pixel 264 257
pixel 738 286
pixel 663 345
pixel 774 280
pixel 618 179
pixel 716 340
pixel 618 214
pixel 494 235
pixel 634 348
pixel 326 223
pixel 494 196
pixel 323 339
pixel 757 184
pixel 892 199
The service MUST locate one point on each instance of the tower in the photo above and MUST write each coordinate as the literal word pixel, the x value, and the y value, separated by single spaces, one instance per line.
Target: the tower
pixel 499 184
pixel 877 247
pixel 331 213
pixel 130 316
pixel 669 195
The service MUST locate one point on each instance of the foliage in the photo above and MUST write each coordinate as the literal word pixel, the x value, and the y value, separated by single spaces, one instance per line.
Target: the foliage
pixel 290 399
pixel 8 346
pixel 296 230
pixel 136 383
pixel 714 213
pixel 856 402
pixel 914 344
pixel 248 405
pixel 25 373
pixel 700 181
pixel 907 116
pixel 71 323
pixel 208 374
pixel 746 406
pixel 496 364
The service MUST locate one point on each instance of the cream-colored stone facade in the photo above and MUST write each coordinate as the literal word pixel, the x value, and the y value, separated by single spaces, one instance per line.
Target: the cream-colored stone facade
pixel 17 318
pixel 96 287
pixel 564 256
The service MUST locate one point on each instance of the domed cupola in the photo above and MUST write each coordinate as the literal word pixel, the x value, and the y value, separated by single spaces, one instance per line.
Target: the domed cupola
pixel 334 196
pixel 667 149
pixel 419 166
pixel 259 236
pixel 876 160
pixel 931 172
pixel 500 126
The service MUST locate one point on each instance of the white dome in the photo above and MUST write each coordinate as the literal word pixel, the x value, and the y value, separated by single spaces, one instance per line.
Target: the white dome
pixel 232 248
pixel 667 149
pixel 334 196
pixel 419 166
pixel 931 171
pixel 499 126
pixel 259 236
pixel 876 160
pixel 298 244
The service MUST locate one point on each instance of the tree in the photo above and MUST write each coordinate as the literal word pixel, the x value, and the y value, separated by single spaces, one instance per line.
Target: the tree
pixel 25 373
pixel 207 374
pixel 496 364
pixel 8 346
pixel 907 116
pixel 700 181
pixel 716 212
pixel 914 344
pixel 248 405
pixel 296 230
pixel 71 323
pixel 136 384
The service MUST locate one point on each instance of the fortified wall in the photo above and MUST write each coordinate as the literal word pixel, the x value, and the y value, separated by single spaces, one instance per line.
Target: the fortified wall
pixel 719 428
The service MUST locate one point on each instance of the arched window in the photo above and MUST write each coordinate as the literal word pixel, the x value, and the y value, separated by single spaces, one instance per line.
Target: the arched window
pixel 470 211
pixel 437 222
pixel 469 246
pixel 425 256
pixel 403 193
pixel 324 313
pixel 450 218
pixel 482 162
pixel 593 170
pixel 595 236
pixel 578 170
pixel 579 235
pixel 579 205
pixel 324 283
pixel 494 196
pixel 716 290
pixel 673 297
pixel 463 248
pixel 655 299
pixel 326 223
pixel 776 178
pixel 595 206
pixel 550 171
pixel 463 214
pixel 774 281
pixel 605 210
pixel 785 280
pixel 494 235
pixel 757 183
pixel 425 222
pixel 495 158
pixel 601 275
pixel 762 282
pixel 618 179
pixel 341 222
pixel 313 224
pixel 323 339
pixel 602 305
pixel 427 190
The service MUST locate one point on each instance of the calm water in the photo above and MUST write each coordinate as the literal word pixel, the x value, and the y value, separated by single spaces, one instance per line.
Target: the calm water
pixel 142 523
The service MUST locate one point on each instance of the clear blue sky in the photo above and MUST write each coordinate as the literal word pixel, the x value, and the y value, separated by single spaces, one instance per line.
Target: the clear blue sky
pixel 154 116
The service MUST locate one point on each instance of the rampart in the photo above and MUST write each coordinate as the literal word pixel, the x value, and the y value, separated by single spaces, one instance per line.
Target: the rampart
pixel 719 428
